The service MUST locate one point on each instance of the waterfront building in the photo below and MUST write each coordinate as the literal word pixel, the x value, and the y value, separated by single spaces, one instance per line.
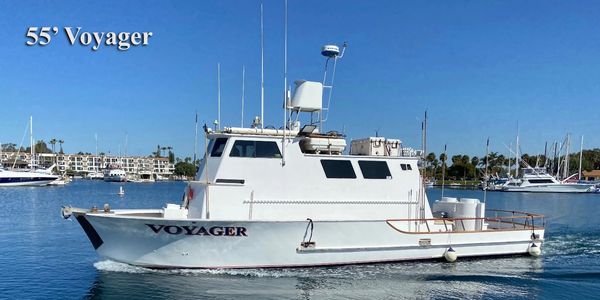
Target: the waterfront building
pixel 88 163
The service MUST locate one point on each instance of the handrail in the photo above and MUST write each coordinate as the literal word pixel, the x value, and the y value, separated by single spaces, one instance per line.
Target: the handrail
pixel 526 222
pixel 496 219
pixel 516 211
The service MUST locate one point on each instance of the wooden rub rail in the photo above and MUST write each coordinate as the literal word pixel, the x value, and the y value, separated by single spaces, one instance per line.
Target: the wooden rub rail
pixel 503 220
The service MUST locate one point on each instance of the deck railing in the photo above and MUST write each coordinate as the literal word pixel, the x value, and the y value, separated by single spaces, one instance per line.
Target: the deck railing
pixel 503 220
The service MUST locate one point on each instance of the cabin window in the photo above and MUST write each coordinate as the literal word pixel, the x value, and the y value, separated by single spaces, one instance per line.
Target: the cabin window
pixel 374 169
pixel 218 147
pixel 408 167
pixel 540 181
pixel 258 149
pixel 405 167
pixel 338 168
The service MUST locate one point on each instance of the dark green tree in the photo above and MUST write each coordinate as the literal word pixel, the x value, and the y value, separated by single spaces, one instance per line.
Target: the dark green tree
pixel 185 169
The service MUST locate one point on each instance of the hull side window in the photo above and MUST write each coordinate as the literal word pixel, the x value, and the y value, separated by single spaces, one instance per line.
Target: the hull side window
pixel 338 168
pixel 374 169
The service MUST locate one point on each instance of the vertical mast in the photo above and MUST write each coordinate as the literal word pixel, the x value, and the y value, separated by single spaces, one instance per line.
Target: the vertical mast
pixel 96 168
pixel 580 157
pixel 568 147
pixel 425 139
pixel 284 84
pixel 195 140
pixel 219 96
pixel 262 70
pixel 31 145
pixel 553 164
pixel 546 156
pixel 243 92
pixel 444 170
pixel 509 158
pixel 517 158
pixel 487 150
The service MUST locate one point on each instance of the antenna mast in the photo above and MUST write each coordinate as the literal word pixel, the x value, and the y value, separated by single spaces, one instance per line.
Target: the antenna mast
pixel 195 139
pixel 285 94
pixel 262 70
pixel 331 52
pixel 243 91
pixel 219 96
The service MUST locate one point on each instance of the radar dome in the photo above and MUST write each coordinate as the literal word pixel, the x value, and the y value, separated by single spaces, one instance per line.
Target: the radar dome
pixel 330 51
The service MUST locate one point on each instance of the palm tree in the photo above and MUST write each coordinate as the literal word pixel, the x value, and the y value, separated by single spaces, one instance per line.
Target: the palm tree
pixel 53 143
pixel 61 149
pixel 429 160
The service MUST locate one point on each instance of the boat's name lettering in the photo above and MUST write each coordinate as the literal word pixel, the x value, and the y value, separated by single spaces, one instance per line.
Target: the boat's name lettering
pixel 199 230
pixel 123 41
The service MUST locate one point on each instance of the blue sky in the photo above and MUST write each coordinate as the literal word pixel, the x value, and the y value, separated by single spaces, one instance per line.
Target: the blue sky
pixel 478 67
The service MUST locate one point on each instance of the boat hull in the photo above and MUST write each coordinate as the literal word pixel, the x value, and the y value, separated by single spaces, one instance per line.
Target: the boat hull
pixel 28 183
pixel 116 178
pixel 160 243
pixel 557 188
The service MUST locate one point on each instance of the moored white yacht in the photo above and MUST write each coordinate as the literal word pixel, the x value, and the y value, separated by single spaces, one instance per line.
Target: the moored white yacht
pixel 95 175
pixel 289 198
pixel 26 178
pixel 538 180
pixel 115 174
pixel 30 177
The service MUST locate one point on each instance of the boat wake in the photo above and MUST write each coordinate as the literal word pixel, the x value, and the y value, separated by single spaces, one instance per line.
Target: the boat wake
pixel 113 266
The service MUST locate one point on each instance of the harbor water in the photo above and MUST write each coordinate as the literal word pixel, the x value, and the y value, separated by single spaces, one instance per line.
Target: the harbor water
pixel 43 256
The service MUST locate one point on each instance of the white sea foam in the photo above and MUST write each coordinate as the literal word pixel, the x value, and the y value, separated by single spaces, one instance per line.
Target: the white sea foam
pixel 113 266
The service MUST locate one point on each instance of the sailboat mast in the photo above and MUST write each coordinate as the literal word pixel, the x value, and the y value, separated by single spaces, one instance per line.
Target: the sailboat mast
pixel 486 178
pixel 517 159
pixel 31 145
pixel 568 147
pixel 424 145
pixel 444 171
pixel 96 169
pixel 509 158
pixel 580 157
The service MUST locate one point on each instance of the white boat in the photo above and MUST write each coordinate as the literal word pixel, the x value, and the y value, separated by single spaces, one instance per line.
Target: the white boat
pixel 31 177
pixel 61 180
pixel 145 176
pixel 25 178
pixel 158 177
pixel 115 174
pixel 95 175
pixel 538 180
pixel 277 198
